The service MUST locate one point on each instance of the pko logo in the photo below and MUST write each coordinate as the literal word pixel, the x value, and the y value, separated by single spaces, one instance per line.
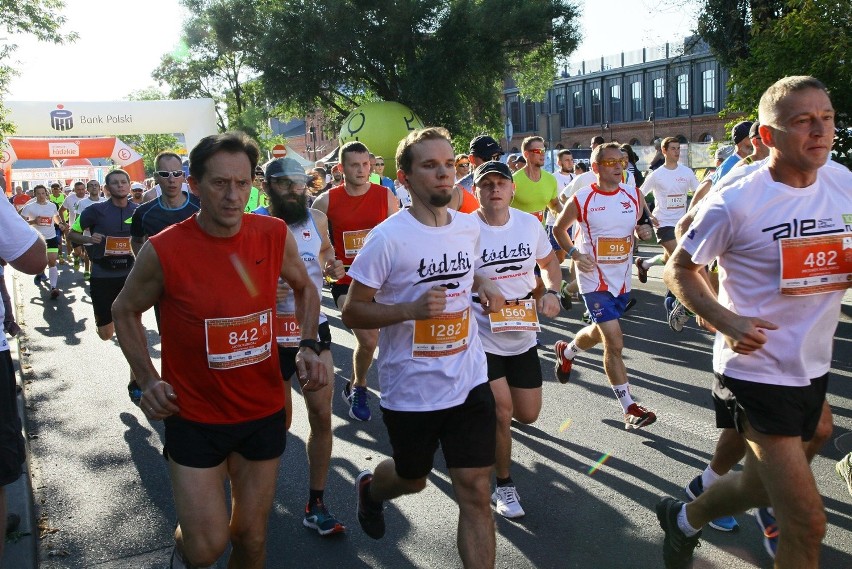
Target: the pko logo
pixel 61 119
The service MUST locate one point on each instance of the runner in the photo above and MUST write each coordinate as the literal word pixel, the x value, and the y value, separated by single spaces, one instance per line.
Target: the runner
pixel 608 212
pixel 779 235
pixel 93 187
pixel 44 216
pixel 418 266
pixel 220 392
pixel 353 209
pixel 512 244
pixel 286 187
pixel 68 212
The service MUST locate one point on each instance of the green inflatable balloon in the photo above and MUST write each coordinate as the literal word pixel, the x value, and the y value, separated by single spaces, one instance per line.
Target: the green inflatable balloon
pixel 380 126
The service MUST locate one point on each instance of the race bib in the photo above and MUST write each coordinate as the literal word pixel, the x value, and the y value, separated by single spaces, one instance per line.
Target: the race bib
pixel 520 317
pixel 443 335
pixel 539 215
pixel 815 265
pixel 613 250
pixel 239 341
pixel 44 221
pixel 353 241
pixel 287 331
pixel 117 246
pixel 676 202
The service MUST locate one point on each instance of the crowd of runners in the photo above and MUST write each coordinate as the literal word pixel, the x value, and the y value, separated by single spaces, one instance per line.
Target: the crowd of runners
pixel 442 277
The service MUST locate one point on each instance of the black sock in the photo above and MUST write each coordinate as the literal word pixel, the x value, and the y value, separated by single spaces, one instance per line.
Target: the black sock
pixel 505 481
pixel 314 496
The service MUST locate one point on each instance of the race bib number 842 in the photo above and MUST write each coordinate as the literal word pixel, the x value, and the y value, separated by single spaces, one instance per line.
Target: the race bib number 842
pixel 239 341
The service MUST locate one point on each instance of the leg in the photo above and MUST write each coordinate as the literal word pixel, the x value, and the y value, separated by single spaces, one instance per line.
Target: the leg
pixel 526 404
pixel 319 442
pixel 730 449
pixel 613 342
pixel 822 433
pixel 476 540
pixel 387 484
pixel 252 492
pixel 362 357
pixel 199 495
pixel 503 403
pixel 106 332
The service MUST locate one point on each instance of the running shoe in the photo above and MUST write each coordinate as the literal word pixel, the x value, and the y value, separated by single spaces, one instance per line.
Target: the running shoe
pixel 319 518
pixel 507 502
pixel 564 296
pixel 587 318
pixel 641 272
pixel 54 293
pixel 677 316
pixel 727 523
pixel 134 392
pixel 638 417
pixel 40 278
pixel 371 517
pixel 677 546
pixel 563 364
pixel 844 470
pixel 767 524
pixel 358 407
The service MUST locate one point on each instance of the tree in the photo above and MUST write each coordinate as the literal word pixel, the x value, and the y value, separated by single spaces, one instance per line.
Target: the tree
pixel 446 59
pixel 789 37
pixel 40 18
pixel 149 145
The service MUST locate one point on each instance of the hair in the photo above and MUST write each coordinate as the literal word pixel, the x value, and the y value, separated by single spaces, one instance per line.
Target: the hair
pixel 403 150
pixel 631 154
pixel 92 181
pixel 668 140
pixel 78 182
pixel 598 140
pixel 352 146
pixel 582 166
pixel 563 152
pixel 525 143
pixel 165 154
pixel 459 158
pixel 55 185
pixel 767 109
pixel 234 142
pixel 115 172
pixel 39 186
pixel 599 149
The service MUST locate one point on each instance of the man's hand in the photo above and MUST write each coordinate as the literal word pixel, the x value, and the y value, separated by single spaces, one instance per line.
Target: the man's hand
pixel 158 400
pixel 96 238
pixel 490 297
pixel 585 263
pixel 431 303
pixel 334 269
pixel 310 370
pixel 644 232
pixel 744 334
pixel 548 305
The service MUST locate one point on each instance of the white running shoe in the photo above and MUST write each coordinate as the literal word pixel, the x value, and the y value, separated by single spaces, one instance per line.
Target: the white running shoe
pixel 506 501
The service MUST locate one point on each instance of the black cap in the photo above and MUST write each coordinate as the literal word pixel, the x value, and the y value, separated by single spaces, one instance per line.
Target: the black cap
pixel 485 147
pixel 740 131
pixel 753 132
pixel 284 167
pixel 492 166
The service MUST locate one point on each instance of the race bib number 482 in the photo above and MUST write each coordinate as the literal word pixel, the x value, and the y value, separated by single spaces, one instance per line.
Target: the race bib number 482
pixel 815 265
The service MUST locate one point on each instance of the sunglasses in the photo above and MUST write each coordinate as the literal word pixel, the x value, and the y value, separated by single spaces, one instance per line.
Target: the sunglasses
pixel 173 174
pixel 462 164
pixel 380 163
pixel 613 162
pixel 539 151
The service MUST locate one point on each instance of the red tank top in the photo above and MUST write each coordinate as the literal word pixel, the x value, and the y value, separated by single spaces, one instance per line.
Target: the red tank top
pixel 350 218
pixel 217 313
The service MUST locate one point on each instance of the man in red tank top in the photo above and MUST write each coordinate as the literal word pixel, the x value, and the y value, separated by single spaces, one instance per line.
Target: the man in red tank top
pixel 353 209
pixel 220 392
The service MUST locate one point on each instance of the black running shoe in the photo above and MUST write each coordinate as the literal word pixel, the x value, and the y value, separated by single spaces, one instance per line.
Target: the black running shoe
pixel 371 518
pixel 677 547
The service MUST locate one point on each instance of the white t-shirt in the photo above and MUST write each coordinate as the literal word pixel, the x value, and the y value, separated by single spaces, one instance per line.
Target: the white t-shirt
pixel 508 255
pixel 43 214
pixel 745 225
pixel 562 182
pixel 403 259
pixel 16 237
pixel 607 222
pixel 69 204
pixel 83 204
pixel 581 181
pixel 670 189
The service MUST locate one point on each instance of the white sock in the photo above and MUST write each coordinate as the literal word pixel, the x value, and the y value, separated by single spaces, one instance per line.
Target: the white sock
pixel 53 274
pixel 709 477
pixel 622 393
pixel 655 260
pixel 771 511
pixel 683 524
pixel 571 351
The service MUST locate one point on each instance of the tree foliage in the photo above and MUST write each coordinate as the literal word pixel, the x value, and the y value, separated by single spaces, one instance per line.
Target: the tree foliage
pixel 40 18
pixel 785 37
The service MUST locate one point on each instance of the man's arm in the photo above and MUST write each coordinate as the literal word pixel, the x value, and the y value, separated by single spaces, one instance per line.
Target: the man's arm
pixel 321 203
pixel 359 310
pixel 332 268
pixel 33 260
pixel 569 215
pixel 393 203
pixel 551 274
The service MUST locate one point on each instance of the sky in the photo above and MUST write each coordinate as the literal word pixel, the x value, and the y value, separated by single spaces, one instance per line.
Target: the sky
pixel 118 48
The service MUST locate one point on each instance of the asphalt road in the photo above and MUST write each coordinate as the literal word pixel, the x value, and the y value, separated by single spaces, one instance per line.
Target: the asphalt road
pixel 103 498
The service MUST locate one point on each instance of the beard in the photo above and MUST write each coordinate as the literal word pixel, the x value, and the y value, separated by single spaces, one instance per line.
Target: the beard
pixel 440 200
pixel 292 209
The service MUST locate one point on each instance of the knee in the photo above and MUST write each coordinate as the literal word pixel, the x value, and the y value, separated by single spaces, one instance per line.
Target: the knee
pixel 250 540
pixel 504 413
pixel 205 550
pixel 413 485
pixel 368 343
pixel 807 528
pixel 823 431
pixel 105 332
pixel 526 416
pixel 319 417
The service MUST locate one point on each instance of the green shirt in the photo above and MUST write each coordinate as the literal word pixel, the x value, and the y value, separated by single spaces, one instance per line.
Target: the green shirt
pixel 533 197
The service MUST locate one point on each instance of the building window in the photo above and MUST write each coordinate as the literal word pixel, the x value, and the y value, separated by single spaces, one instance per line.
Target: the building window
pixel 708 88
pixel 515 113
pixel 636 101
pixel 529 116
pixel 578 108
pixel 683 94
pixel 562 109
pixel 596 106
pixel 659 87
pixel 615 103
pixel 706 138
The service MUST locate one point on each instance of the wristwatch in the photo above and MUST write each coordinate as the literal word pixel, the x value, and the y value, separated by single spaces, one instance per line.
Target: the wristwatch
pixel 312 344
pixel 551 291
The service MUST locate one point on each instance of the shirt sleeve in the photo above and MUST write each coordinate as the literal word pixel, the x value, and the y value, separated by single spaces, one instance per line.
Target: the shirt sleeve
pixel 16 235
pixel 710 234
pixel 372 266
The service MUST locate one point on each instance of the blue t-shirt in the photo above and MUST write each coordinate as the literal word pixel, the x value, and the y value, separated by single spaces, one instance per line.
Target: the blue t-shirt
pixel 152 217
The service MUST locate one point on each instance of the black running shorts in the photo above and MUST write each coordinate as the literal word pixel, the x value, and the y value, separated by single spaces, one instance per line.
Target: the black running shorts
pixel 104 292
pixel 466 433
pixel 287 356
pixel 522 370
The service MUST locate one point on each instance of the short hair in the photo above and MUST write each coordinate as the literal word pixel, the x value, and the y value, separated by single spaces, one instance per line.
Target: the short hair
pixel 91 182
pixel 234 142
pixel 668 140
pixel 79 183
pixel 113 173
pixel 165 154
pixel 563 152
pixel 460 157
pixel 599 149
pixel 352 146
pixel 55 185
pixel 582 166
pixel 39 186
pixel 525 143
pixel 767 109
pixel 631 154
pixel 597 140
pixel 403 150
